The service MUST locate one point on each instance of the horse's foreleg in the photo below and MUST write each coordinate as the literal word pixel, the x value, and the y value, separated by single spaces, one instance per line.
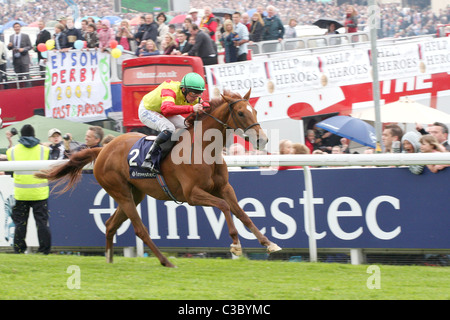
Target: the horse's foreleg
pixel 230 197
pixel 203 198
pixel 112 224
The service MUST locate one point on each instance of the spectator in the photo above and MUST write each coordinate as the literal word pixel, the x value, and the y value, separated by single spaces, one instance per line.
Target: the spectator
pixel 183 43
pixel 242 43
pixel 336 150
pixel 140 31
pixel 91 36
pixel 440 131
pixel 290 30
pixel 3 77
pixel 169 44
pixel 124 37
pixel 286 147
pixel 107 139
pixel 20 44
pixel 93 138
pixel 30 192
pixel 256 28
pixel 204 47
pixel 57 149
pixel 163 28
pixel 73 34
pixel 147 48
pixel 105 35
pixel 186 25
pixel 332 29
pixel 273 27
pixel 60 38
pixel 42 37
pixel 209 22
pixel 310 140
pixel 245 20
pixel 351 20
pixel 430 144
pixel 195 19
pixel 411 144
pixel 391 133
pixel 151 28
pixel 228 41
pixel 300 148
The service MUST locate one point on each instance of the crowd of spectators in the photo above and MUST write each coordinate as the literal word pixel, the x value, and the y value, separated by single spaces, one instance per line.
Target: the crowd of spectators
pixel 396 21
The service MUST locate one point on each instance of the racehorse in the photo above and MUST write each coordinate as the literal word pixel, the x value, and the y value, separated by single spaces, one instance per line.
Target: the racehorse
pixel 198 180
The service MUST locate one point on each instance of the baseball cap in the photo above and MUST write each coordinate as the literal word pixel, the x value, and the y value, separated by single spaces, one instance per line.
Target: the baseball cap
pixel 53 131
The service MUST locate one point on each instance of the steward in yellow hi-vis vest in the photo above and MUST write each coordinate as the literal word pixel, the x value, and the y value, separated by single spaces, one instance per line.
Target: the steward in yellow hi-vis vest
pixel 30 192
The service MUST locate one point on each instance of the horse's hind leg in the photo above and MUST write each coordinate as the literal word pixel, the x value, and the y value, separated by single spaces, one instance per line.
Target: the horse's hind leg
pixel 112 224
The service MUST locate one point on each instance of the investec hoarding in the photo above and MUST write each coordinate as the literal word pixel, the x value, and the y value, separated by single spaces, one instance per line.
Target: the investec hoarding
pixel 354 208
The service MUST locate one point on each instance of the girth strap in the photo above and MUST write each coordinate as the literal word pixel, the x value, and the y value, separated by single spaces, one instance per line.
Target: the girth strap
pixel 165 188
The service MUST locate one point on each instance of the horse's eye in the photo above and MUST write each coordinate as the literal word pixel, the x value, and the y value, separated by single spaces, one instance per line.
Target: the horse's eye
pixel 241 114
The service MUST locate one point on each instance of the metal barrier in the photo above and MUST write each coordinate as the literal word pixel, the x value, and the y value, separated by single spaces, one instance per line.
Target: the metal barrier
pixel 289 160
pixel 308 42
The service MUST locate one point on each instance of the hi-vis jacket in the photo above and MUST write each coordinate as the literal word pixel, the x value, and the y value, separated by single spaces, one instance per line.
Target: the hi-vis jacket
pixel 168 100
pixel 26 186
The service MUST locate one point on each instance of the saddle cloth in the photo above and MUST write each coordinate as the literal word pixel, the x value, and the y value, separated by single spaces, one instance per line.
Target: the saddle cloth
pixel 138 152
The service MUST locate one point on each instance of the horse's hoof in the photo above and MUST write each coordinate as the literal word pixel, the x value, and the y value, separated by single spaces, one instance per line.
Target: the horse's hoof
pixel 236 249
pixel 168 264
pixel 273 247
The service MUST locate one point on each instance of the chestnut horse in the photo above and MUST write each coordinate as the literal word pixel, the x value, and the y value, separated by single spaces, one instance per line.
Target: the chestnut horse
pixel 198 180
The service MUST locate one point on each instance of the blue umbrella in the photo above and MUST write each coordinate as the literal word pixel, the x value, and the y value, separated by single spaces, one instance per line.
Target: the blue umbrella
pixel 10 24
pixel 351 128
pixel 112 19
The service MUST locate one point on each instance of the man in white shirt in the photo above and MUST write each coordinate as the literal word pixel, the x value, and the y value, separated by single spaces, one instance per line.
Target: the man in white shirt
pixel 242 31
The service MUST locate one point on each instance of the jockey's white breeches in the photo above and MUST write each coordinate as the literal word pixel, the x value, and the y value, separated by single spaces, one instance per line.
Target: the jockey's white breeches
pixel 156 121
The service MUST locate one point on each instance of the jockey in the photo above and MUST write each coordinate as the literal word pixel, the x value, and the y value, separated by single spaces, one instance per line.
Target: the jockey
pixel 161 108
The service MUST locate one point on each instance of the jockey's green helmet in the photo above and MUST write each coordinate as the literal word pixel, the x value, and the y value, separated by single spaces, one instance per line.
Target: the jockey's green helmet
pixel 193 82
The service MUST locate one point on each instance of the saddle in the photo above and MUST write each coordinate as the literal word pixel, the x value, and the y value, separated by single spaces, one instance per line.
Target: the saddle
pixel 138 152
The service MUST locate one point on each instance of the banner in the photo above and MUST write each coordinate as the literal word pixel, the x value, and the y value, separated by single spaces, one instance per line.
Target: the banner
pixel 353 208
pixel 292 73
pixel 77 85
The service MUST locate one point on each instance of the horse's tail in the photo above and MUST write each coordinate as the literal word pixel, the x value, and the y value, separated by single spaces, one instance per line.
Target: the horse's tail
pixel 69 173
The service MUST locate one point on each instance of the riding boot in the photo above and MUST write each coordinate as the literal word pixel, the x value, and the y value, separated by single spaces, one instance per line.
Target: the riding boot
pixel 161 138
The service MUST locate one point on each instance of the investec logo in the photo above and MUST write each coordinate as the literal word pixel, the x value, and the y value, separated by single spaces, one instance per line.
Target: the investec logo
pixel 336 213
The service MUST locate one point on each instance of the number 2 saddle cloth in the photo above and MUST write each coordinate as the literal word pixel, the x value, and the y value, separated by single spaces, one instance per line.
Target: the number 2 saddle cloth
pixel 139 151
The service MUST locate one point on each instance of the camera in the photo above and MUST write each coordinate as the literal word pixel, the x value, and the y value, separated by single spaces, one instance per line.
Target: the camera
pixel 13 131
pixel 66 137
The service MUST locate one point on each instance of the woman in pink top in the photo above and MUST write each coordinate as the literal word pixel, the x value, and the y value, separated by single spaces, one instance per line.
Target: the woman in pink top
pixel 105 35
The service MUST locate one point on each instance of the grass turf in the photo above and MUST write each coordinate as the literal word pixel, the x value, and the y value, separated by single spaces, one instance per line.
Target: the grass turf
pixel 51 277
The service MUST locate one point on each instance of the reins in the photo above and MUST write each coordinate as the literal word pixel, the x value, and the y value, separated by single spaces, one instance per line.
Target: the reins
pixel 233 116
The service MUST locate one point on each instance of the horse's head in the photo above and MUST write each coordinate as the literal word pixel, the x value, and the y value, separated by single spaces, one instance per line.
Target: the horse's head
pixel 243 120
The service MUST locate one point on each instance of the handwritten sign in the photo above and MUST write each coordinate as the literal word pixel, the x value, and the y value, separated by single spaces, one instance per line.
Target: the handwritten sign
pixel 77 85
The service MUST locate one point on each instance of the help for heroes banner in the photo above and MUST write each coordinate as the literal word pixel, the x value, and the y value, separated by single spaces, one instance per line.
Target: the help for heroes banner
pixel 77 85
pixel 294 72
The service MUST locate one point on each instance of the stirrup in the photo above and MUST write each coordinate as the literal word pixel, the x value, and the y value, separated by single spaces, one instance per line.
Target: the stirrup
pixel 150 166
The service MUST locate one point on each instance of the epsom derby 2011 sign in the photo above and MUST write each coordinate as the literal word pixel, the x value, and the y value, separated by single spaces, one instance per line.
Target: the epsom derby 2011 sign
pixel 77 85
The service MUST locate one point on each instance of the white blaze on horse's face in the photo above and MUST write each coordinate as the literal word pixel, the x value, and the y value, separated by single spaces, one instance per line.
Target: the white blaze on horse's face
pixel 254 133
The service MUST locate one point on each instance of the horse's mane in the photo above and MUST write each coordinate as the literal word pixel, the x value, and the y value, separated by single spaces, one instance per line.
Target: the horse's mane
pixel 214 104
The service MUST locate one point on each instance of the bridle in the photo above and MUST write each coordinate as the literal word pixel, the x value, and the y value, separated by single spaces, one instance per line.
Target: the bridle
pixel 236 121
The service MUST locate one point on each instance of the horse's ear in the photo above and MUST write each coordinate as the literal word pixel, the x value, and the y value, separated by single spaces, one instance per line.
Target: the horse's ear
pixel 247 95
pixel 225 98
